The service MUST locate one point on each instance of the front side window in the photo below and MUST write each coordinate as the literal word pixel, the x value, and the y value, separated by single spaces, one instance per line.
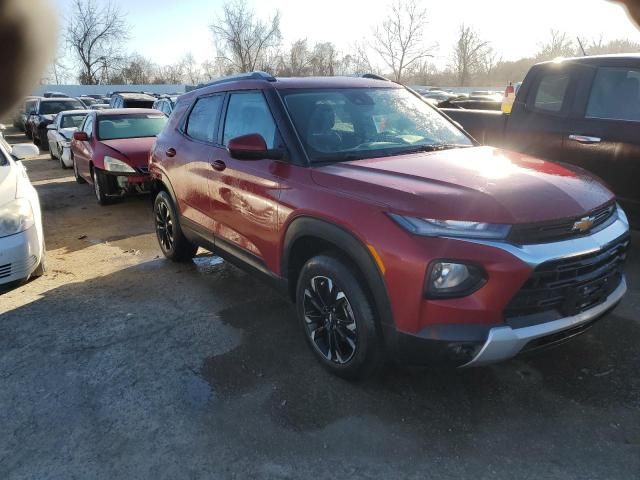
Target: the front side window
pixel 202 121
pixel 248 113
pixel 615 94
pixel 88 126
pixel 354 123
pixel 51 108
pixel 551 92
pixel 114 127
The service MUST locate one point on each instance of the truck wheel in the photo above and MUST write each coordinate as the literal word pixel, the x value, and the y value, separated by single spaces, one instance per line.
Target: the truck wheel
pixel 102 186
pixel 174 245
pixel 43 140
pixel 337 318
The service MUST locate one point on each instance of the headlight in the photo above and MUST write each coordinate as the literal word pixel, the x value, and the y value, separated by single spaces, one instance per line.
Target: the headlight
pixel 452 228
pixel 66 144
pixel 621 214
pixel 114 165
pixel 15 217
pixel 451 279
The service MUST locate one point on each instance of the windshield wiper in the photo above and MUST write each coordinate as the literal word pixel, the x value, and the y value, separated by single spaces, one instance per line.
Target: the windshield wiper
pixel 435 147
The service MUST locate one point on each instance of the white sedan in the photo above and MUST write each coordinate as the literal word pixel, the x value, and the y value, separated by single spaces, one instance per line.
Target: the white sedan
pixel 60 132
pixel 22 250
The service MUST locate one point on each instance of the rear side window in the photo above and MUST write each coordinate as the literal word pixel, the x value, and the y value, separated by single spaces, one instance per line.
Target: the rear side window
pixel 551 92
pixel 201 124
pixel 615 94
pixel 248 113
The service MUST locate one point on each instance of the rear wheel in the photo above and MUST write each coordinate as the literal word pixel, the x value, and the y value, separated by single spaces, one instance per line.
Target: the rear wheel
pixel 43 141
pixel 174 245
pixel 337 317
pixel 76 174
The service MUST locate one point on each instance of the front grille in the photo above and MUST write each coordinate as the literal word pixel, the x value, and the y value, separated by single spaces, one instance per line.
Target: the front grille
pixel 556 230
pixel 563 288
pixel 5 270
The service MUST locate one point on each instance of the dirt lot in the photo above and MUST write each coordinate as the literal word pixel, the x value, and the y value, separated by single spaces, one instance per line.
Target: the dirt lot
pixel 119 364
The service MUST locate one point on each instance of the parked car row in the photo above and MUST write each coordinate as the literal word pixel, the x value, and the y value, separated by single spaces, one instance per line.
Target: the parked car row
pixel 390 228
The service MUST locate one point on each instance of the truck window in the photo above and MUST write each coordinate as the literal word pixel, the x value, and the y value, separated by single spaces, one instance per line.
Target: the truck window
pixel 551 92
pixel 615 94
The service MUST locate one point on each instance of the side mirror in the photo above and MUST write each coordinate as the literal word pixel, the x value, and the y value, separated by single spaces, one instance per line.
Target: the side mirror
pixel 51 126
pixel 252 147
pixel 81 136
pixel 23 151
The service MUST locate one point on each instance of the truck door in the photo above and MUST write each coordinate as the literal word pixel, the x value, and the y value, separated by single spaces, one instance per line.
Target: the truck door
pixel 605 136
pixel 538 125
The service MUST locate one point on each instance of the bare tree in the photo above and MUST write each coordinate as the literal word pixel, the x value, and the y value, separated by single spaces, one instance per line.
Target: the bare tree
pixel 357 62
pixel 468 55
pixel 559 44
pixel 399 40
pixel 190 69
pixel 241 38
pixel 324 59
pixel 95 34
pixel 138 71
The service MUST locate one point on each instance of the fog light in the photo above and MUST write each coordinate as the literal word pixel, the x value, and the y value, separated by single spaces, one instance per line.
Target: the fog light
pixel 449 279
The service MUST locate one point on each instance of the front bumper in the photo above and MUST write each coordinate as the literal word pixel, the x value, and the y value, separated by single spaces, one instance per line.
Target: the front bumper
pixel 20 254
pixel 451 332
pixel 505 342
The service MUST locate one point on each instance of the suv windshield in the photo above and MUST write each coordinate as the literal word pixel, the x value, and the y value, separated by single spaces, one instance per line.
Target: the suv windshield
pixel 70 121
pixel 354 123
pixel 130 126
pixel 51 108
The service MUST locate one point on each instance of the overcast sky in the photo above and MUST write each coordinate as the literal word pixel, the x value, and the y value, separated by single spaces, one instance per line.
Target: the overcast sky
pixel 165 30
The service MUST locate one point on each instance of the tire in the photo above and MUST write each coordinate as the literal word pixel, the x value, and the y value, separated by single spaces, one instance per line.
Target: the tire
pixel 174 245
pixel 62 165
pixel 337 318
pixel 41 269
pixel 43 141
pixel 27 132
pixel 102 187
pixel 79 179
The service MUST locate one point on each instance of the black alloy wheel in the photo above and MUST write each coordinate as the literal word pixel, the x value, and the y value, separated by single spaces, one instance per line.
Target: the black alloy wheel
pixel 329 319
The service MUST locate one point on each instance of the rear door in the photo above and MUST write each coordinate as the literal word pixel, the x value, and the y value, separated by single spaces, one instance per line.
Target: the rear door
pixel 539 126
pixel 192 160
pixel 605 135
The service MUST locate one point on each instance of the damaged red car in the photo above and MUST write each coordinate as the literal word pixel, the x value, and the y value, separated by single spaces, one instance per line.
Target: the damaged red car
pixel 111 151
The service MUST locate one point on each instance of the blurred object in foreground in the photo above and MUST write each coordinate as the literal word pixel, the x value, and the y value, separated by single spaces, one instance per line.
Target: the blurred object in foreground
pixel 633 8
pixel 28 39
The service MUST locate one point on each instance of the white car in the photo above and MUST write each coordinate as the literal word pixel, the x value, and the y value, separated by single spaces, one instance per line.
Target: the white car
pixel 22 250
pixel 60 133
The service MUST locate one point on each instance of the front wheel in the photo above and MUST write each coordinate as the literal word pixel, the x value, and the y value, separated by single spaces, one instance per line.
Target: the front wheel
pixel 102 186
pixel 337 317
pixel 174 245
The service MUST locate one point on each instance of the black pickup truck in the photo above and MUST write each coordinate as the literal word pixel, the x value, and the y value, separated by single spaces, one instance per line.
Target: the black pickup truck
pixel 584 111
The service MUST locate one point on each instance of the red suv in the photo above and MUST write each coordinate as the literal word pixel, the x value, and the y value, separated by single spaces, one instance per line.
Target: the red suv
pixel 392 231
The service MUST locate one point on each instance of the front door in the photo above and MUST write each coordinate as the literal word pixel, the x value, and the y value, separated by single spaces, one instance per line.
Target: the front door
pixel 245 193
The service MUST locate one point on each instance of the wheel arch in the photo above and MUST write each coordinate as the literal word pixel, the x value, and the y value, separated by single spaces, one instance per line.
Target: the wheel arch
pixel 308 236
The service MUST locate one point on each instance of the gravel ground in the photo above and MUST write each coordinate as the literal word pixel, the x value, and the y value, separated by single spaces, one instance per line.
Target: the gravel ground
pixel 119 364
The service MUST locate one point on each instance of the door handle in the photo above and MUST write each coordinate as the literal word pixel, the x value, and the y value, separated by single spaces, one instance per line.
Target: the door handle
pixel 218 165
pixel 171 152
pixel 585 139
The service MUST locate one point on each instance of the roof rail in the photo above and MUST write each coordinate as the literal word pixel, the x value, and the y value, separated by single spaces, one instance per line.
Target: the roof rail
pixel 240 76
pixel 375 76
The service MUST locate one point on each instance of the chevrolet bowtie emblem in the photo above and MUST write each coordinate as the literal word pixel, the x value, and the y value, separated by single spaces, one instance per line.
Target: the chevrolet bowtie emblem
pixel 583 225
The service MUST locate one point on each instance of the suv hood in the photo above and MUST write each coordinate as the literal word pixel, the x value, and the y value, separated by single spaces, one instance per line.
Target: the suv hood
pixel 134 150
pixel 480 184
